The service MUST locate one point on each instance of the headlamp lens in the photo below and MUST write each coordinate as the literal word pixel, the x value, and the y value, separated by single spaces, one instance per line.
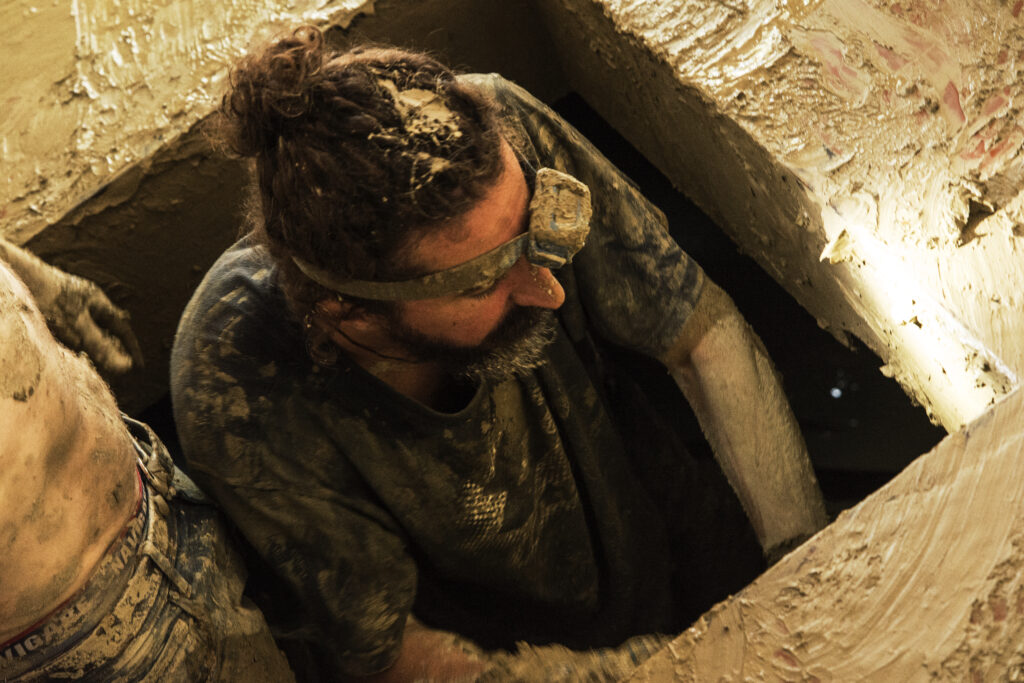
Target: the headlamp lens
pixel 559 219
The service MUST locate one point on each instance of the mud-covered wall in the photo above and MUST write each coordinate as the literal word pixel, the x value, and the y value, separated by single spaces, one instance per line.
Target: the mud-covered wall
pixel 92 87
pixel 867 153
pixel 920 582
pixel 109 174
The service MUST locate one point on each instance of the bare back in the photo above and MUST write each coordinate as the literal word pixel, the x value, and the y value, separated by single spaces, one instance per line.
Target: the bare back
pixel 68 480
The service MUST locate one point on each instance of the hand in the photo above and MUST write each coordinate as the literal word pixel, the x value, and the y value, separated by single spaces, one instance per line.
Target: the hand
pixel 556 663
pixel 432 655
pixel 82 317
pixel 78 313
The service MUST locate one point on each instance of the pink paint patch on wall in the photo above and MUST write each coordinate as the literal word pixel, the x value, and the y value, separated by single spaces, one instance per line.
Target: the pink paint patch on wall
pixel 1002 152
pixel 995 103
pixel 892 60
pixel 926 51
pixel 952 111
pixel 838 74
pixel 996 138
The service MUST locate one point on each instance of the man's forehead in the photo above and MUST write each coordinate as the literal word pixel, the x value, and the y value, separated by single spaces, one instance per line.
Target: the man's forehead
pixel 498 217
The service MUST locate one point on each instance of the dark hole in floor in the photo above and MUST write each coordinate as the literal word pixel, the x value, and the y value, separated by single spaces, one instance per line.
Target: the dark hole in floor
pixel 861 429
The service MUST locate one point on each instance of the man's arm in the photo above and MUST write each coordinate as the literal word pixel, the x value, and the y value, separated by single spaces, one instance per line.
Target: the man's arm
pixel 431 655
pixel 726 375
pixel 78 313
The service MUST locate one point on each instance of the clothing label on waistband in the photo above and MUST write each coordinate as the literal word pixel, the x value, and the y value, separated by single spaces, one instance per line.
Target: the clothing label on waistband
pixel 24 646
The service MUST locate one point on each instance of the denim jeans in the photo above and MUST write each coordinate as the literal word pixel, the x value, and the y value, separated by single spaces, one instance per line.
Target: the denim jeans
pixel 164 604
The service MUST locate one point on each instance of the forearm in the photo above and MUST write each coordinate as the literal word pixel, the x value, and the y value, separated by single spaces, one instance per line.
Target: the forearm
pixel 733 388
pixel 432 655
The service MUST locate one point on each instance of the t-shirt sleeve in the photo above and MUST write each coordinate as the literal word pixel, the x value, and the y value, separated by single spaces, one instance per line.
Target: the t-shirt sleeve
pixel 347 582
pixel 636 286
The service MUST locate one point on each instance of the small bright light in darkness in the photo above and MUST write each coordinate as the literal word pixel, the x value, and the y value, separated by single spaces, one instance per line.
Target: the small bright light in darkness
pixel 836 392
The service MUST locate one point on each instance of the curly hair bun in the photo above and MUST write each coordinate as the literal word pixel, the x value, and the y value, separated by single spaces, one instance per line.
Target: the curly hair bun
pixel 271 89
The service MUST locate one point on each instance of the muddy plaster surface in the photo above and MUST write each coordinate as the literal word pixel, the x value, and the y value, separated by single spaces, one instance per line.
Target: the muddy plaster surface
pixel 91 88
pixel 868 151
pixel 925 573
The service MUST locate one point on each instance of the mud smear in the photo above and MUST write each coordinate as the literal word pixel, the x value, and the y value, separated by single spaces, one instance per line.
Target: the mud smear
pixel 19 373
pixel 423 113
pixel 423 116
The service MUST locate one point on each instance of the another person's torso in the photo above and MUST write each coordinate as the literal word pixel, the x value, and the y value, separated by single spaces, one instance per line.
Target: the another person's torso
pixel 69 480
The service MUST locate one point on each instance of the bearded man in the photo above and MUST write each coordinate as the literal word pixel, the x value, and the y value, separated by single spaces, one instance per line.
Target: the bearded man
pixel 422 430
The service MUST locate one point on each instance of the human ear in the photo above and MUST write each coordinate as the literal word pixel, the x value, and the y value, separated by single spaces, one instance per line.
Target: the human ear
pixel 343 322
pixel 330 307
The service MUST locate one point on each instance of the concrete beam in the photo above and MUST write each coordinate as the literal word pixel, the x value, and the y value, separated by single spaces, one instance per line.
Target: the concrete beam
pixel 921 581
pixel 867 153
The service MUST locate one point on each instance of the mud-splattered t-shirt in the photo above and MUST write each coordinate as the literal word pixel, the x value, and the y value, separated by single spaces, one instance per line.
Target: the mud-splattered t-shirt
pixel 552 508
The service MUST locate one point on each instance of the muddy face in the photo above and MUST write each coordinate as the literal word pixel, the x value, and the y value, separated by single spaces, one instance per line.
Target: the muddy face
pixel 513 348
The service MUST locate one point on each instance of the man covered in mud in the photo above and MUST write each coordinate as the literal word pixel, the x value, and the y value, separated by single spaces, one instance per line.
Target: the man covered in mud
pixel 112 566
pixel 411 384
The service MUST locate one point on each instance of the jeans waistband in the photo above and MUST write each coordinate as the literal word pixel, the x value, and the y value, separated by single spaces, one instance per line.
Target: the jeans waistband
pixel 71 621
pixel 121 585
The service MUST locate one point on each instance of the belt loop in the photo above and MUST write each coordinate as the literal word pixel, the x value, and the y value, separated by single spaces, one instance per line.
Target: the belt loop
pixel 154 460
pixel 165 566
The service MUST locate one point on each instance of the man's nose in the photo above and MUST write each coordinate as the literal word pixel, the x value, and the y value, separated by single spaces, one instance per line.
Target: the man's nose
pixel 536 286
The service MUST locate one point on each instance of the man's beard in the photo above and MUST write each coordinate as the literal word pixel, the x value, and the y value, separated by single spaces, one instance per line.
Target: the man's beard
pixel 512 349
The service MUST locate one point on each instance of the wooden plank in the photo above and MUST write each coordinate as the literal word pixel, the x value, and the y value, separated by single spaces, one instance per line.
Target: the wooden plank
pixel 923 580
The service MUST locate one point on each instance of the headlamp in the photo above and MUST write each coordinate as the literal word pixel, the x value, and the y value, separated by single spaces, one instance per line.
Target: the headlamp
pixel 559 222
